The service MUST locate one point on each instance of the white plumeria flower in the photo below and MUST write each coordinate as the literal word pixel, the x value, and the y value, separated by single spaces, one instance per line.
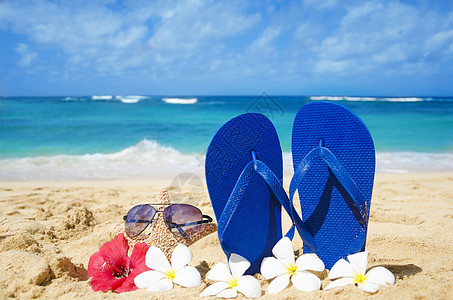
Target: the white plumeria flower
pixel 230 283
pixel 163 274
pixel 354 271
pixel 283 266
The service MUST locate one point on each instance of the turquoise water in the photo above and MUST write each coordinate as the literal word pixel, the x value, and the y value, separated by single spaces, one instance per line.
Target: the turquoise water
pixel 38 132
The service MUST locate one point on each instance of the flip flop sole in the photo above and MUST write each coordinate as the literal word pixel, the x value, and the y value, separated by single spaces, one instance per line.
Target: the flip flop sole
pixel 324 202
pixel 256 224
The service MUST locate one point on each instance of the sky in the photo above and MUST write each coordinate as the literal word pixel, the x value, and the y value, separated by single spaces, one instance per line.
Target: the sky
pixel 235 47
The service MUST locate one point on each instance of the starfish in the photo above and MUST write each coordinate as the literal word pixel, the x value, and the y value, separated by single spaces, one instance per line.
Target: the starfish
pixel 160 236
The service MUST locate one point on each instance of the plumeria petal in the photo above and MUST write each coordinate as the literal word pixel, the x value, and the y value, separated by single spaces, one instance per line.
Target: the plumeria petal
pixel 310 261
pixel 156 260
pixel 214 289
pixel 284 250
pixel 305 281
pixel 238 265
pixel 380 275
pixel 249 286
pixel 359 261
pixel 369 287
pixel 180 257
pixel 228 293
pixel 219 272
pixel 341 269
pixel 278 284
pixel 272 267
pixel 340 282
pixel 148 278
pixel 188 277
pixel 161 285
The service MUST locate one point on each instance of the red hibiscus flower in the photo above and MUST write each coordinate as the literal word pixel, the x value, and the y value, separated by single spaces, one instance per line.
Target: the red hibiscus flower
pixel 111 268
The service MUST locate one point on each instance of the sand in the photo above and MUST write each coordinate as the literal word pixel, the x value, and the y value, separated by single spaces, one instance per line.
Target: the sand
pixel 49 230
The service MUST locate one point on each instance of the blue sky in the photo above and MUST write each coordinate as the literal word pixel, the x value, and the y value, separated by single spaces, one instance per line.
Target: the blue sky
pixel 332 47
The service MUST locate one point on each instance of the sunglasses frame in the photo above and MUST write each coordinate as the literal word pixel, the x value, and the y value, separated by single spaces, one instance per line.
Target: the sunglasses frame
pixel 204 219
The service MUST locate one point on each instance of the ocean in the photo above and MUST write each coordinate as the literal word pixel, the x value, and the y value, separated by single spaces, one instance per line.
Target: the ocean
pixel 123 137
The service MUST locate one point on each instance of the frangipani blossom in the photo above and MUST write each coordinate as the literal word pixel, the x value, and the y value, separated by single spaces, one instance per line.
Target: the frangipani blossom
pixel 163 274
pixel 111 268
pixel 230 283
pixel 284 267
pixel 354 272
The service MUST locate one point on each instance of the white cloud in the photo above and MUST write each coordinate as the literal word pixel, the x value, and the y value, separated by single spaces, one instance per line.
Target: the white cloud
pixel 290 41
pixel 373 36
pixel 192 25
pixel 27 56
pixel 265 42
pixel 438 41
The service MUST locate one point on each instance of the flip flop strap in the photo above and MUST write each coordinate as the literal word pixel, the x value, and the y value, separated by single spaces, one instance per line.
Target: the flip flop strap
pixel 276 186
pixel 359 210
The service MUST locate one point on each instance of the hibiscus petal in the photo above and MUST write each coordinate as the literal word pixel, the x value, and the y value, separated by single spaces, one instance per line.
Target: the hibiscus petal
pixel 359 261
pixel 128 285
pixel 249 286
pixel 105 284
pixel 180 257
pixel 148 278
pixel 380 275
pixel 104 266
pixel 188 277
pixel 156 260
pixel 214 289
pixel 310 261
pixel 339 282
pixel 228 293
pixel 272 267
pixel 115 253
pixel 341 269
pixel 369 287
pixel 117 246
pixel 278 284
pixel 219 272
pixel 305 281
pixel 238 265
pixel 138 255
pixel 162 285
pixel 284 250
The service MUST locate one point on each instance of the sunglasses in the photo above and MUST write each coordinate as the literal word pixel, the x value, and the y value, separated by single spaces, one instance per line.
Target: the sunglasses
pixel 183 220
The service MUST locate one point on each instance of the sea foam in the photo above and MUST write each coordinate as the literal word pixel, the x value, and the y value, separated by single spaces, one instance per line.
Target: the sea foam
pixel 149 159
pixel 398 162
pixel 365 99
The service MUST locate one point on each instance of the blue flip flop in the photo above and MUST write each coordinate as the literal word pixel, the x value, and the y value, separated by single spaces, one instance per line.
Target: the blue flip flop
pixel 244 173
pixel 334 164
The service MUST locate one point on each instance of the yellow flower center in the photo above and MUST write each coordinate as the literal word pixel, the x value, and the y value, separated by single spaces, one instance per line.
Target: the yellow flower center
pixel 359 278
pixel 232 282
pixel 292 270
pixel 170 274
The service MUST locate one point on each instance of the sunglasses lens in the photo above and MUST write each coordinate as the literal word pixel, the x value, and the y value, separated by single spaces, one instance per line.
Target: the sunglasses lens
pixel 183 220
pixel 138 218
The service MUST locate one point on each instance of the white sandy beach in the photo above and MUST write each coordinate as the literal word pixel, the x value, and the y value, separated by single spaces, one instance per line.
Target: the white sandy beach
pixel 49 230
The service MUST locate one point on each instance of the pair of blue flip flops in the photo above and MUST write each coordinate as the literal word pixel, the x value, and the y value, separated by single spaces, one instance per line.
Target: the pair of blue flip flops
pixel 334 162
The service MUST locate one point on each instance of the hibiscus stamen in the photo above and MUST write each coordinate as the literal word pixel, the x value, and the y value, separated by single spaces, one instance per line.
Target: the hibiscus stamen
pixel 118 272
